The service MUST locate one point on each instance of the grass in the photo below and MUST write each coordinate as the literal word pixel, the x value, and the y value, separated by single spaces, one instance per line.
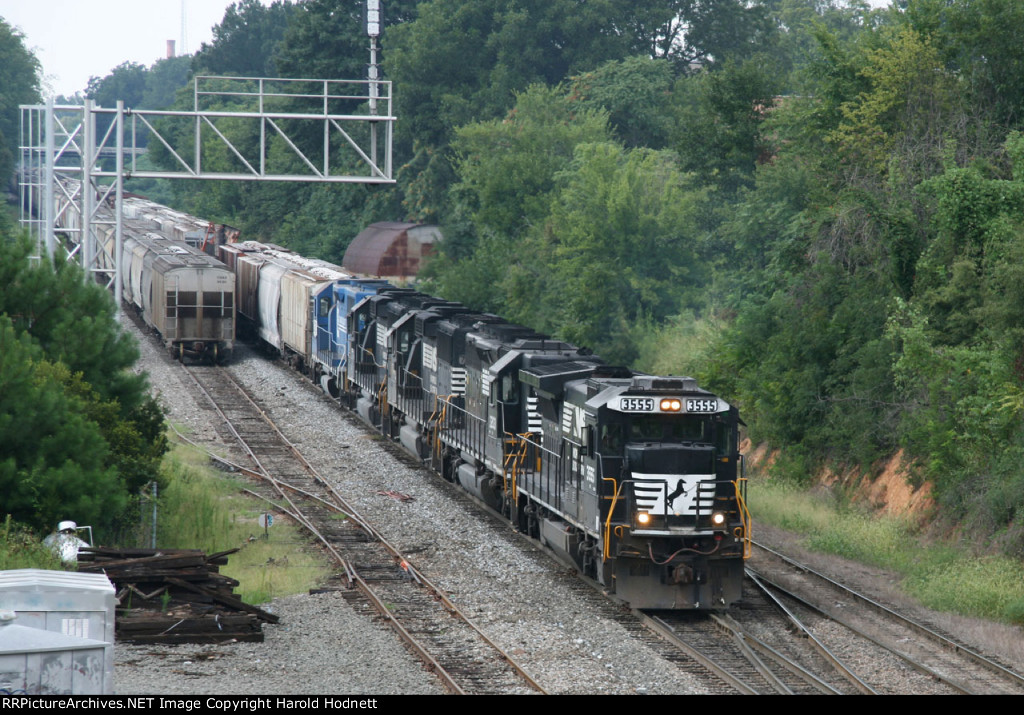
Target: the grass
pixel 201 508
pixel 204 509
pixel 940 575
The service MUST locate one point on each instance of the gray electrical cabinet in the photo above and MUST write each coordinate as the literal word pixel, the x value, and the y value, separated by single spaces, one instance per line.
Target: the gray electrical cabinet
pixel 77 605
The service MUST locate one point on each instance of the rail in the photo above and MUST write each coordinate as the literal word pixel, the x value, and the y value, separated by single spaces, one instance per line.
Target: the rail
pixel 456 682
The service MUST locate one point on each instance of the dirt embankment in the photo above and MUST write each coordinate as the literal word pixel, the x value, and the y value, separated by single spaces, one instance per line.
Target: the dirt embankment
pixel 889 488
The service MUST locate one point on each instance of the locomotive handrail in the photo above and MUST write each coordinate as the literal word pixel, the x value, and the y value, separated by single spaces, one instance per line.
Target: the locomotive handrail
pixel 616 489
pixel 524 439
pixel 373 358
pixel 512 460
pixel 382 399
pixel 746 537
pixel 436 421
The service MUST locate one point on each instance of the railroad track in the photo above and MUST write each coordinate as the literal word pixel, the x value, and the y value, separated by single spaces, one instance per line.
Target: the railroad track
pixel 942 663
pixel 812 651
pixel 728 652
pixel 375 576
pixel 743 662
pixel 372 574
pixel 367 565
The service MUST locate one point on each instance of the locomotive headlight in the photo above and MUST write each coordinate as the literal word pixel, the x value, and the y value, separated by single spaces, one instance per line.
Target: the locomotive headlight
pixel 643 518
pixel 718 519
pixel 671 405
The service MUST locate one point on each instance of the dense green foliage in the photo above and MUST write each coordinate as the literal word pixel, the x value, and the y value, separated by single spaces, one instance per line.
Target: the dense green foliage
pixel 20 74
pixel 812 206
pixel 79 435
pixel 246 40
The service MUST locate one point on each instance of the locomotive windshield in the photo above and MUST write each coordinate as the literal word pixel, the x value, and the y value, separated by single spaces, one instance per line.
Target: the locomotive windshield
pixel 714 430
pixel 668 428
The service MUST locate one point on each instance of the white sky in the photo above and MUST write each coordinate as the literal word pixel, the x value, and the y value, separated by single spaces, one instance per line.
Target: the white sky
pixel 77 39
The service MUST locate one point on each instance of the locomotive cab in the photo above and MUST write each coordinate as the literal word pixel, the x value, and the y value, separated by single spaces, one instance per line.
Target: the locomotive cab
pixel 677 524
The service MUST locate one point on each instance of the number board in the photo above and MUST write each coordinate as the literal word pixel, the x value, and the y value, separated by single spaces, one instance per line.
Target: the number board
pixel 701 404
pixel 693 405
pixel 636 404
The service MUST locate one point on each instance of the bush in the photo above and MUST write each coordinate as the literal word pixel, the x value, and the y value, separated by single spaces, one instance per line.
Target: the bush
pixel 22 549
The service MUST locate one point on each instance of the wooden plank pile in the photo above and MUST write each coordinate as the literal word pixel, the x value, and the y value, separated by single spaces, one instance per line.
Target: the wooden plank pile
pixel 175 596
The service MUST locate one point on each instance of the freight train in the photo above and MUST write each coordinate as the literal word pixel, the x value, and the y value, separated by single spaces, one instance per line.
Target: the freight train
pixel 635 479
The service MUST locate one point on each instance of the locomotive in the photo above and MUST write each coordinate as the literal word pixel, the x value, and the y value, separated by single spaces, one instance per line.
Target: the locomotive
pixel 636 480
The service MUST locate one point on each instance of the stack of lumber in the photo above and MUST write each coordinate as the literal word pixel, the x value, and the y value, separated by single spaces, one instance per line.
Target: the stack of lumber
pixel 174 596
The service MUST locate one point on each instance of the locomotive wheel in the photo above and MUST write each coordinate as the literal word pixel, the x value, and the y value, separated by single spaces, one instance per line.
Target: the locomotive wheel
pixel 181 353
pixel 216 354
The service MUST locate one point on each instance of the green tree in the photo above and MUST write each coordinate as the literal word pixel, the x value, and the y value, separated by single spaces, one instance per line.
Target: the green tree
pixel 721 30
pixel 634 92
pixel 620 246
pixel 19 84
pixel 506 175
pixel 978 41
pixel 72 321
pixel 458 63
pixel 126 82
pixel 910 95
pixel 327 39
pixel 53 460
pixel 246 39
pixel 78 431
pixel 719 119
pixel 163 80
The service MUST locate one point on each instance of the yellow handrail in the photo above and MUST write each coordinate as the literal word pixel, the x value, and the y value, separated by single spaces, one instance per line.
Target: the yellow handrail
pixel 514 460
pixel 605 554
pixel 445 400
pixel 746 534
pixel 382 397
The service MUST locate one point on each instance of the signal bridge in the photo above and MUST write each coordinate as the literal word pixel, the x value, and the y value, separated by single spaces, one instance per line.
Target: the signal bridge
pixel 74 158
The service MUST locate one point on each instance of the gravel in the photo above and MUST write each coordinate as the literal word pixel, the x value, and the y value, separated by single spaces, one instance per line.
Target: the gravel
pixel 320 646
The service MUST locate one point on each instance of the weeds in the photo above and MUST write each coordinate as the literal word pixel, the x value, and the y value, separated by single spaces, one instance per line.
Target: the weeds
pixel 941 576
pixel 203 509
pixel 21 549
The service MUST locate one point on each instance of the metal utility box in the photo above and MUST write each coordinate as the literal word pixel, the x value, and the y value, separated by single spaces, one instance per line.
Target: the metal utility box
pixel 73 604
pixel 39 662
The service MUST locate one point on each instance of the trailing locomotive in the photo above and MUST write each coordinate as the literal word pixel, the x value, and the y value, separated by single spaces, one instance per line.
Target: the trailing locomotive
pixel 635 479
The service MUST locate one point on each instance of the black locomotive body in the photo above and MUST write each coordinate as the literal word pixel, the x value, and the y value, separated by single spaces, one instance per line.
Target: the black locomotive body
pixel 635 479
